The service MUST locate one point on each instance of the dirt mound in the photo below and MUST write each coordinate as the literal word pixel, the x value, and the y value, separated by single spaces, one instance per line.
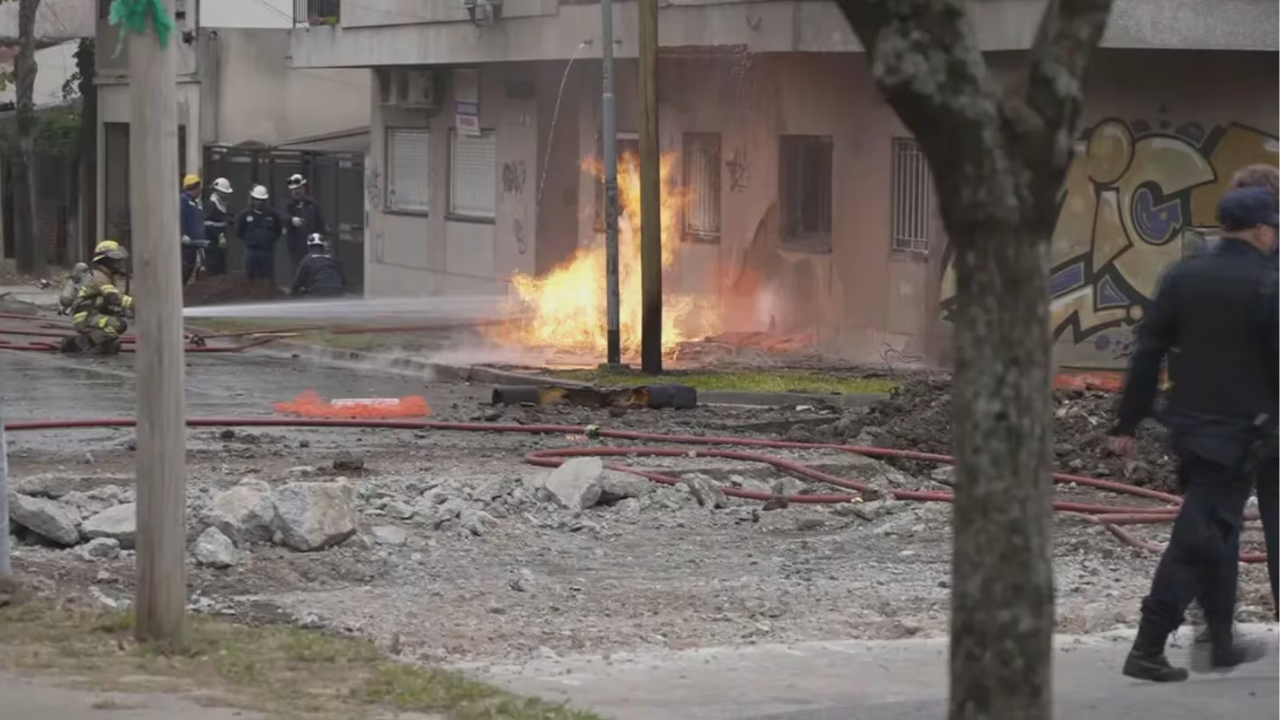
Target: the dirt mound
pixel 229 288
pixel 917 416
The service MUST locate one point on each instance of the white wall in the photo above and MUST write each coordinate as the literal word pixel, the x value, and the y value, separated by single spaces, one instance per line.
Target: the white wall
pixel 53 66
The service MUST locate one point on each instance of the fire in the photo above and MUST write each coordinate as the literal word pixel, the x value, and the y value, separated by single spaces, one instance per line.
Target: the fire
pixel 566 309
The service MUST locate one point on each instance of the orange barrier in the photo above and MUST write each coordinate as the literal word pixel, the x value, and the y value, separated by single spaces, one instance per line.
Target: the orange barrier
pixel 309 404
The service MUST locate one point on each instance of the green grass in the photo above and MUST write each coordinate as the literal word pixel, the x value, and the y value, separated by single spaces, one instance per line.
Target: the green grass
pixel 284 673
pixel 804 381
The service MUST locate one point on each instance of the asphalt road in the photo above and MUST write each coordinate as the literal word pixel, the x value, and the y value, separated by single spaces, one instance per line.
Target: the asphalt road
pixel 888 680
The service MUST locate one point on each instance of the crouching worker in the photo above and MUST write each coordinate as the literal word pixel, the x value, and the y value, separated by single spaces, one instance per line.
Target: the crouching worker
pixel 102 306
pixel 71 288
pixel 319 274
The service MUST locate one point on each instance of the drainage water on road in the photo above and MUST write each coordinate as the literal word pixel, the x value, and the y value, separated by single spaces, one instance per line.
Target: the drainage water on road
pixel 473 308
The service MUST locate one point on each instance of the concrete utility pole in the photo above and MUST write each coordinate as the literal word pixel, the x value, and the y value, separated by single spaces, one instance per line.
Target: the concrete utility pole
pixel 609 123
pixel 650 195
pixel 6 566
pixel 162 434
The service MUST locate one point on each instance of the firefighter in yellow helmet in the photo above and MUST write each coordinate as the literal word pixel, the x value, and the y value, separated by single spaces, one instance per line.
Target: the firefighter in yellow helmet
pixel 102 305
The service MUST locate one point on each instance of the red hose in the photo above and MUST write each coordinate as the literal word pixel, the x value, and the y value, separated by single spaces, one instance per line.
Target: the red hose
pixel 1112 517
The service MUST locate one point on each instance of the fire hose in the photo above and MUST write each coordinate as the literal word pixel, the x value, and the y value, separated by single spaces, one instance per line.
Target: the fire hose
pixel 1111 517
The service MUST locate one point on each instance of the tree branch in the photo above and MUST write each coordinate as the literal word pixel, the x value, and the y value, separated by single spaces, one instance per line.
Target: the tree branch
pixel 1068 35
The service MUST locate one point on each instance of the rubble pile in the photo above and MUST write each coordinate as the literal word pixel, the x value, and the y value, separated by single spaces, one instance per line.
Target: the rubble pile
pixel 917 416
pixel 229 288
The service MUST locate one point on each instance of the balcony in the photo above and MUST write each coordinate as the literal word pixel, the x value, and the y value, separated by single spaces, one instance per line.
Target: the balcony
pixel 318 12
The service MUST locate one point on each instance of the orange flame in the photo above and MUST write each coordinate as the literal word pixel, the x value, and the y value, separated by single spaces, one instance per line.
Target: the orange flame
pixel 309 404
pixel 566 309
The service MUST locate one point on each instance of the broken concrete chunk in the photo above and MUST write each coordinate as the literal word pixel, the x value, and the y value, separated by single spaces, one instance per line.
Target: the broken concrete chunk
pixel 214 549
pixel 119 523
pixel 389 535
pixel 50 519
pixel 945 474
pixel 476 522
pixel 100 549
pixel 704 490
pixel 616 485
pixel 875 509
pixel 347 461
pixel 575 485
pixel 246 513
pixel 314 516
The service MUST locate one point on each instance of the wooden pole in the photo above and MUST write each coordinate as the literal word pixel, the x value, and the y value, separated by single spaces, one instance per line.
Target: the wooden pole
pixel 161 471
pixel 650 195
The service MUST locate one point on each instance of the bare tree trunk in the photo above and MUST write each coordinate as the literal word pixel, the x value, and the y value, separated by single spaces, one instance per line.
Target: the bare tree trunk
pixel 29 251
pixel 998 158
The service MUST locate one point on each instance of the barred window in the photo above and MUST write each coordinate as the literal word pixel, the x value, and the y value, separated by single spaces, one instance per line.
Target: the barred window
pixel 408 165
pixel 805 165
pixel 473 179
pixel 910 197
pixel 702 183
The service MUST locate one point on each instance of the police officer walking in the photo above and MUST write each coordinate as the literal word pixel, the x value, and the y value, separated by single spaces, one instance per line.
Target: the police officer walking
pixel 1219 310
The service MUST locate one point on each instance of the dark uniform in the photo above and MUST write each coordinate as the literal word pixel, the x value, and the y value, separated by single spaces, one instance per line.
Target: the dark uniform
pixel 311 222
pixel 259 228
pixel 191 218
pixel 319 275
pixel 1219 310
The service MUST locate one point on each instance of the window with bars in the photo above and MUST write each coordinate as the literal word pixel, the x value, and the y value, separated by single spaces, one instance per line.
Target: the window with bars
pixel 805 165
pixel 628 153
pixel 473 179
pixel 702 184
pixel 408 164
pixel 910 197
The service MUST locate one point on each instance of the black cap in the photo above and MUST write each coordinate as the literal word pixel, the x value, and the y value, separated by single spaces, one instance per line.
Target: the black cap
pixel 1248 207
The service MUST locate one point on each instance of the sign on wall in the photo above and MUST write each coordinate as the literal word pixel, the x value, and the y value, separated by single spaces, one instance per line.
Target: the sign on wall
pixel 466 102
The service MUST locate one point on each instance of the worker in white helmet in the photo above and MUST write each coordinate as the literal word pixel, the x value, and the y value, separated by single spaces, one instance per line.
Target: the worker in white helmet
pixel 304 218
pixel 259 227
pixel 215 227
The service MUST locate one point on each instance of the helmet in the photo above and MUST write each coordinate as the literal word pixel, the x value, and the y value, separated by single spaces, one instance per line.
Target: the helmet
pixel 190 181
pixel 315 239
pixel 259 192
pixel 108 253
pixel 221 185
pixel 296 181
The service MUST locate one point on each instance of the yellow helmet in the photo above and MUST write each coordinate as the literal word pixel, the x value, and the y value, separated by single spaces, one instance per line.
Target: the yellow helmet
pixel 109 251
pixel 190 181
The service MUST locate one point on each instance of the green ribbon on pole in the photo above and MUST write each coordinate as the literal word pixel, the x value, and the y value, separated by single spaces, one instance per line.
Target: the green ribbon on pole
pixel 132 15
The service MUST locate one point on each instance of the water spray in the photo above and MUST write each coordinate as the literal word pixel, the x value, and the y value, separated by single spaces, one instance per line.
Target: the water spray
pixel 466 308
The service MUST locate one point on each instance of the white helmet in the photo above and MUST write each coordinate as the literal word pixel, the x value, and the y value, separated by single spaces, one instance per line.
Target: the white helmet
pixel 222 185
pixel 259 192
pixel 296 181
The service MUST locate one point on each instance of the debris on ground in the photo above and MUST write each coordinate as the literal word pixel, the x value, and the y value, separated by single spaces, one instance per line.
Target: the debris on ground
pixel 229 288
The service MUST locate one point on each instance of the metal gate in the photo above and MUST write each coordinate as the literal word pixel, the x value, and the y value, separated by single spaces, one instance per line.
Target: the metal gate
pixel 334 179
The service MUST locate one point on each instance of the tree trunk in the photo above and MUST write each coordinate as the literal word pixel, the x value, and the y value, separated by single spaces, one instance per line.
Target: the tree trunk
pixel 1002 592
pixel 29 250
pixel 998 154
pixel 86 65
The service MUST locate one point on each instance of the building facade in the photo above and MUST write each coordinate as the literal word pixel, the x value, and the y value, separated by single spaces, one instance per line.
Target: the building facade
pixel 804 204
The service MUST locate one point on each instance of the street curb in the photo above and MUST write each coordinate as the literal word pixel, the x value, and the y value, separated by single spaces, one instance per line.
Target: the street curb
pixel 494 376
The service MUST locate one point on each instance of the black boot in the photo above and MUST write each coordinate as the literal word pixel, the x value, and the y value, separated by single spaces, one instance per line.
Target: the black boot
pixel 1147 661
pixel 1220 651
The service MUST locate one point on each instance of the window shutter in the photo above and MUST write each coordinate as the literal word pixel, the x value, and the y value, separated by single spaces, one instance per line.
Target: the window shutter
pixel 473 175
pixel 408 157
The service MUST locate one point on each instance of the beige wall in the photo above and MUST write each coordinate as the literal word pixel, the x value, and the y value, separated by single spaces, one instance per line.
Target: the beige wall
pixel 862 295
pixel 431 253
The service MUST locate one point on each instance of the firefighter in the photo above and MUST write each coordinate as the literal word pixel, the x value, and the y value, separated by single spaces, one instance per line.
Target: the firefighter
pixel 71 288
pixel 259 227
pixel 101 306
pixel 319 274
pixel 191 219
pixel 304 219
pixel 215 227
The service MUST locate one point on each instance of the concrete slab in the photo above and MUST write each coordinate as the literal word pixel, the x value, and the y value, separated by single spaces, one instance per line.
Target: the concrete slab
pixel 895 680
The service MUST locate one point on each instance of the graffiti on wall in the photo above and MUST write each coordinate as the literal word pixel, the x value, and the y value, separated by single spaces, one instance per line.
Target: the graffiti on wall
pixel 1137 198
pixel 513 177
pixel 737 165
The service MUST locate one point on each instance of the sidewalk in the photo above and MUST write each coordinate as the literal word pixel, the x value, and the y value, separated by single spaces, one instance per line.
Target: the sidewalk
pixel 24 699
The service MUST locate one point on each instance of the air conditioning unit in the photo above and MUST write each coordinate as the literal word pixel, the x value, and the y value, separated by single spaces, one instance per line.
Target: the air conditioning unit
pixel 409 88
pixel 483 12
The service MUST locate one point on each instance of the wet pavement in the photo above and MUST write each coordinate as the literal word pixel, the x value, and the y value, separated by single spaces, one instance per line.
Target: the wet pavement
pixel 43 386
